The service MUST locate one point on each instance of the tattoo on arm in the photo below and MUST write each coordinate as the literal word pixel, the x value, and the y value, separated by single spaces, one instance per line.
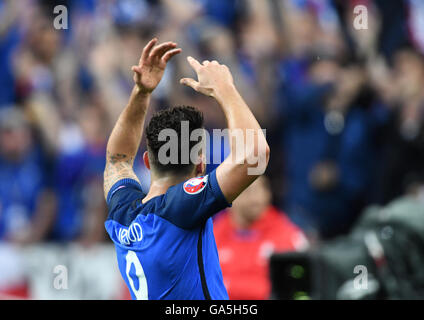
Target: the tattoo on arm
pixel 118 166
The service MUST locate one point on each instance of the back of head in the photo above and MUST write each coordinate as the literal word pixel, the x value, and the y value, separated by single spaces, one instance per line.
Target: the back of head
pixel 182 121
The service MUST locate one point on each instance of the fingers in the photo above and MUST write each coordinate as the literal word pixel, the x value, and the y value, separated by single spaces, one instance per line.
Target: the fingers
pixel 159 50
pixel 207 62
pixel 148 48
pixel 190 83
pixel 136 69
pixel 194 63
pixel 168 55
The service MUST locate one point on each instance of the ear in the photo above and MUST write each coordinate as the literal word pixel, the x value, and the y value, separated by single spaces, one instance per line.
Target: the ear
pixel 201 168
pixel 146 159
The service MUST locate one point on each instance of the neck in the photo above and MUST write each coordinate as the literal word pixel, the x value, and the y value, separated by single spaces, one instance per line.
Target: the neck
pixel 159 185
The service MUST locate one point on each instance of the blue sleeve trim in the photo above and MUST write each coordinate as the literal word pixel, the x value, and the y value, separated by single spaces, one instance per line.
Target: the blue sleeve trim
pixel 120 183
pixel 216 189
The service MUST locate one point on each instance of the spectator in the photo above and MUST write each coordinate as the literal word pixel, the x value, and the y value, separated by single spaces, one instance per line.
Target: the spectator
pixel 79 168
pixel 246 236
pixel 328 147
pixel 27 206
pixel 402 170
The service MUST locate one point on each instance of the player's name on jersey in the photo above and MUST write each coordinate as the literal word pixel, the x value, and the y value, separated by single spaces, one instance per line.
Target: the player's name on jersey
pixel 131 234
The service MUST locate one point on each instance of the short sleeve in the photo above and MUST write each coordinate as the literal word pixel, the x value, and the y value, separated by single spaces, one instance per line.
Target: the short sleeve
pixel 189 204
pixel 120 199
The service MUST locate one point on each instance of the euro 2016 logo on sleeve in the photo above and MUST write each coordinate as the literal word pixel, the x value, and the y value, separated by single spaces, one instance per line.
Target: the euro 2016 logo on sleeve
pixel 195 185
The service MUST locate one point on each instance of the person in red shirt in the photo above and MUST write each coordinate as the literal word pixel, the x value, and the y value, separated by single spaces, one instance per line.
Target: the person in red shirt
pixel 246 235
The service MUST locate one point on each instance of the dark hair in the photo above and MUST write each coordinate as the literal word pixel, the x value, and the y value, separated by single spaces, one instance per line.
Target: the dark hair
pixel 171 119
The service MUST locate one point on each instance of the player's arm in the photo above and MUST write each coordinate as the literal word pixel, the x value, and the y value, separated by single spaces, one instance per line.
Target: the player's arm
pixel 125 138
pixel 246 162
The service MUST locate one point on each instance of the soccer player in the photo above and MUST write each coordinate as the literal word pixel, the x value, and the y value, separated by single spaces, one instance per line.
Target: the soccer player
pixel 164 239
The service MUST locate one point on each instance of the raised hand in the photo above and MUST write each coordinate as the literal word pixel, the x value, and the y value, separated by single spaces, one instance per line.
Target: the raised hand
pixel 152 64
pixel 213 78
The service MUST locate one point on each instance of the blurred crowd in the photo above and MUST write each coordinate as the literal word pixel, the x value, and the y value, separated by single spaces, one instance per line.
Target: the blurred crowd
pixel 343 108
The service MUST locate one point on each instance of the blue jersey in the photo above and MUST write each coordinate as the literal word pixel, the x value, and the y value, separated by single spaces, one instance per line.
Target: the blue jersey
pixel 165 247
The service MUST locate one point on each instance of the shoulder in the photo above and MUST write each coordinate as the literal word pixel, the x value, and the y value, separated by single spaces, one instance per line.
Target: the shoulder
pixel 190 203
pixel 123 200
